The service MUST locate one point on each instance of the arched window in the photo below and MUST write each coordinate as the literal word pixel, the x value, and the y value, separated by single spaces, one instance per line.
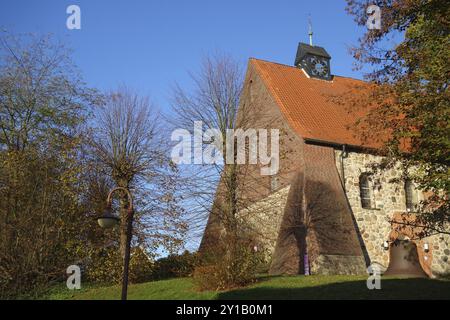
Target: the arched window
pixel 410 195
pixel 364 191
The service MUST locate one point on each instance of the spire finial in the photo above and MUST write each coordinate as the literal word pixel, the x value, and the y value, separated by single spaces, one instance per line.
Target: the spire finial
pixel 310 30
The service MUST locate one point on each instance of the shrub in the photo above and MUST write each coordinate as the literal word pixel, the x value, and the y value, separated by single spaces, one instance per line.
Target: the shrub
pixel 141 266
pixel 175 266
pixel 207 277
pixel 229 267
pixel 107 267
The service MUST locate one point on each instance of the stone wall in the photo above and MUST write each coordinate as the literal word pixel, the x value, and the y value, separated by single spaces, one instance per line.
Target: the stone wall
pixel 388 199
pixel 337 264
pixel 374 225
pixel 264 218
pixel 440 246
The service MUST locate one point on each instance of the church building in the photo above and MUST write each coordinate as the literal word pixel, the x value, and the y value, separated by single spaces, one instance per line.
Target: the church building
pixel 324 212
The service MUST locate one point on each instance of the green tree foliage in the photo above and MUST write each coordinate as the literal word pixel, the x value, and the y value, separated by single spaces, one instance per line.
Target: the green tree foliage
pixel 43 103
pixel 53 182
pixel 410 90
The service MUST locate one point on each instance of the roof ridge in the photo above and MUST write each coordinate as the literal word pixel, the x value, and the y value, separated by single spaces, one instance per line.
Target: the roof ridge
pixel 308 106
pixel 281 64
pixel 290 66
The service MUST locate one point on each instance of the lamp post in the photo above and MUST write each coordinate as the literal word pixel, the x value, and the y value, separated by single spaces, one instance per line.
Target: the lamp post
pixel 108 220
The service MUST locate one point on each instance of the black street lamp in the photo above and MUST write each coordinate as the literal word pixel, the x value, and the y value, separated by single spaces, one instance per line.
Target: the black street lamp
pixel 108 220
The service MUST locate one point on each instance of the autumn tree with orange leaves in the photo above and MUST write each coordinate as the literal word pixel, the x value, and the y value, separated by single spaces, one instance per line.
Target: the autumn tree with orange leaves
pixel 410 89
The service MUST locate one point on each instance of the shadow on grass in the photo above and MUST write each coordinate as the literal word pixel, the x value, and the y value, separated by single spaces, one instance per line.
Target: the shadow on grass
pixel 390 289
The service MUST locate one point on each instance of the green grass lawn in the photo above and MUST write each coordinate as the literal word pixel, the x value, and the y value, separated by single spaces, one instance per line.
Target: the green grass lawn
pixel 286 287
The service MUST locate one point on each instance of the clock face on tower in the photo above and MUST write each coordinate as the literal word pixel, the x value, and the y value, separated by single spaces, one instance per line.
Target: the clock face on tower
pixel 318 66
pixel 314 60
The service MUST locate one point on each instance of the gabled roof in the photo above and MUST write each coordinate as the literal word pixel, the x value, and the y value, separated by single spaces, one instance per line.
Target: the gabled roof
pixel 310 105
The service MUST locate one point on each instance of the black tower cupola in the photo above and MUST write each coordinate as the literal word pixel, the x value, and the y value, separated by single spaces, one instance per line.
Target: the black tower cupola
pixel 314 60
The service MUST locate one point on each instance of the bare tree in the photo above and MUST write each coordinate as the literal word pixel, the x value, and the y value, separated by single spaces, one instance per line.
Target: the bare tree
pixel 215 102
pixel 127 140
pixel 220 192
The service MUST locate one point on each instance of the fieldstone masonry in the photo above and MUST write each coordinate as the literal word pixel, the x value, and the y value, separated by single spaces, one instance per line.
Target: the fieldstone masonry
pixel 332 264
pixel 388 199
pixel 374 225
pixel 264 218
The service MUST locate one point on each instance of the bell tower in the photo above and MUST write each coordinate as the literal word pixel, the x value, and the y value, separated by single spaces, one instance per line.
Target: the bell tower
pixel 314 60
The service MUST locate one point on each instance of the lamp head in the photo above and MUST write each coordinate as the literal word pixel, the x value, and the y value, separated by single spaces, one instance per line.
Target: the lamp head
pixel 107 220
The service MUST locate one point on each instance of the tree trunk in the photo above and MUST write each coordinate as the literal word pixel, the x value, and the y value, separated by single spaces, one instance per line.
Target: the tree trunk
pixel 123 202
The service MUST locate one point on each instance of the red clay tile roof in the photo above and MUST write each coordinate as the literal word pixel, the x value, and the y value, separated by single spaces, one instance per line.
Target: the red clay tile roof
pixel 310 105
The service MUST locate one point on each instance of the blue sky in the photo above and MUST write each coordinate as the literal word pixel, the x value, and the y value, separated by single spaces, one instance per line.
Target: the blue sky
pixel 148 45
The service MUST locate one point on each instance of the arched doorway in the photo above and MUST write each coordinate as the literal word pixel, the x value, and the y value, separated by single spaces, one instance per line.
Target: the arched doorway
pixel 404 259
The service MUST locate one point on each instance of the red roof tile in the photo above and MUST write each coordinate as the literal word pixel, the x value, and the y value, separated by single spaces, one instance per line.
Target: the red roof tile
pixel 310 105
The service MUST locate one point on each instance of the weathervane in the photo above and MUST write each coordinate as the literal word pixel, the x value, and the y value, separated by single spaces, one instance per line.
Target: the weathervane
pixel 310 30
